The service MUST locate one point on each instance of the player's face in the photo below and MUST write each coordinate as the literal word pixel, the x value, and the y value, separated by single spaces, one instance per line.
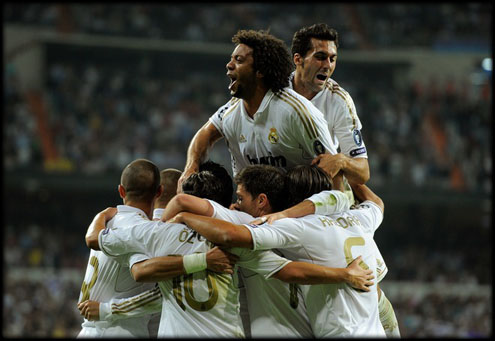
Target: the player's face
pixel 241 73
pixel 318 64
pixel 245 202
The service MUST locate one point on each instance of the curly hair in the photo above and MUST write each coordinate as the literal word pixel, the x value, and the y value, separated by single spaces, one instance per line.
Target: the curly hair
pixel 271 57
pixel 301 42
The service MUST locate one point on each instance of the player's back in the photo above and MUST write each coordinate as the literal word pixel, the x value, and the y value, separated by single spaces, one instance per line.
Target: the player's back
pixel 107 278
pixel 335 310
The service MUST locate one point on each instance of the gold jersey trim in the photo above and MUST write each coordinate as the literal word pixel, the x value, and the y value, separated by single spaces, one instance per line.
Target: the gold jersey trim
pixel 139 301
pixel 301 111
pixel 234 103
pixel 336 89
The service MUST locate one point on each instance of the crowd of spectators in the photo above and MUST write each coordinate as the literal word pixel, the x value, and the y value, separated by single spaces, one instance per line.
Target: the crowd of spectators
pixel 361 25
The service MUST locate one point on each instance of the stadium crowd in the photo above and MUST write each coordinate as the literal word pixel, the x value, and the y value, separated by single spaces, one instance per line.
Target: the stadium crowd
pixel 360 25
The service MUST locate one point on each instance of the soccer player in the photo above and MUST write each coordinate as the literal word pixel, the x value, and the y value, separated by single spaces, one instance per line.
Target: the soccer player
pixel 265 122
pixel 314 51
pixel 106 279
pixel 206 305
pixel 334 310
pixel 276 309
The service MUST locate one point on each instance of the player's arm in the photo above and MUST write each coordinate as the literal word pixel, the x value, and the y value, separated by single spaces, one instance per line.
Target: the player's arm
pixel 147 302
pixel 307 273
pixel 202 141
pixel 324 203
pixel 363 193
pixel 97 225
pixel 356 170
pixel 162 268
pixel 217 231
pixel 187 203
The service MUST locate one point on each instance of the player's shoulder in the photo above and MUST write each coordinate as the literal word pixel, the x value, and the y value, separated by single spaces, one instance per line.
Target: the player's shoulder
pixel 336 91
pixel 295 104
pixel 225 110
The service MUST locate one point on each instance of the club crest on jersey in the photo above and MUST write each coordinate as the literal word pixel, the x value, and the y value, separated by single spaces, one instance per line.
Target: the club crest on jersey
pixel 356 134
pixel 318 147
pixel 272 136
pixel 242 139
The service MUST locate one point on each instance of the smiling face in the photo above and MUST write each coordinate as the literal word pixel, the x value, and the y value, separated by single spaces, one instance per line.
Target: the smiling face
pixel 241 72
pixel 313 69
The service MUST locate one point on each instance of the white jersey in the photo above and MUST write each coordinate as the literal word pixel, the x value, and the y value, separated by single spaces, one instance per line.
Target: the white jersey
pixel 287 130
pixel 157 213
pixel 202 304
pixel 108 278
pixel 276 308
pixel 334 310
pixel 329 202
pixel 339 111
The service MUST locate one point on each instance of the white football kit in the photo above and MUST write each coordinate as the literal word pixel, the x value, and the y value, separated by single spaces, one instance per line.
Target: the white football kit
pixel 202 304
pixel 287 130
pixel 334 310
pixel 108 279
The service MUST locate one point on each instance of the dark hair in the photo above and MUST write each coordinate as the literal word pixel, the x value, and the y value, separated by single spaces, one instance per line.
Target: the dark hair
pixel 304 180
pixel 205 185
pixel 168 178
pixel 257 179
pixel 271 57
pixel 221 173
pixel 301 42
pixel 141 180
pixel 211 182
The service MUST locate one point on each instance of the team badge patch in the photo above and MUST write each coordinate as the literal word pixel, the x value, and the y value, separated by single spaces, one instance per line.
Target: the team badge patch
pixel 242 139
pixel 318 147
pixel 272 136
pixel 356 134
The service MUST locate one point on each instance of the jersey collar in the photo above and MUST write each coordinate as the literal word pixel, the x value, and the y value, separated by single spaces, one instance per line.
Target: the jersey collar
pixel 131 209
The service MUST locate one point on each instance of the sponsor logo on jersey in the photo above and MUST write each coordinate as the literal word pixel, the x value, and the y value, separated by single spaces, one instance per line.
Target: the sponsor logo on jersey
pixel 318 147
pixel 272 136
pixel 356 134
pixel 242 139
pixel 358 151
pixel 277 161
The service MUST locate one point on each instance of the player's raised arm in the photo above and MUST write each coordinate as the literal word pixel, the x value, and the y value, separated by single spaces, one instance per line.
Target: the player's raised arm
pixel 363 193
pixel 202 141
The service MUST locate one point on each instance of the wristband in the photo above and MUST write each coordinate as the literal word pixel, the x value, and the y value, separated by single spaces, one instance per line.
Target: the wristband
pixel 195 262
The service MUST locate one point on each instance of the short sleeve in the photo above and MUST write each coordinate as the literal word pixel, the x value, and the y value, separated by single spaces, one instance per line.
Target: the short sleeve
pixel 330 202
pixel 370 214
pixel 266 263
pixel 282 233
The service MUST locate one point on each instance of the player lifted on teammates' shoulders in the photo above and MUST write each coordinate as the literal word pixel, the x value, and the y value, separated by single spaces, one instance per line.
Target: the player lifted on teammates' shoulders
pixel 265 122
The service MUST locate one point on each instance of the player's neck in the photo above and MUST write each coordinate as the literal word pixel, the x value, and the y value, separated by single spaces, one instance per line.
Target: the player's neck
pixel 252 103
pixel 298 86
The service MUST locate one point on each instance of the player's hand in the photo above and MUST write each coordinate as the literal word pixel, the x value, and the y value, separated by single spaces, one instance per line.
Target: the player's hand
pixel 221 261
pixel 185 174
pixel 358 277
pixel 177 219
pixel 269 218
pixel 331 164
pixel 109 213
pixel 90 310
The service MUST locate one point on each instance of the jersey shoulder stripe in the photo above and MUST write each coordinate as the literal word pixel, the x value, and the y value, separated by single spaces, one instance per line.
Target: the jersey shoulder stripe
pixel 301 111
pixel 335 88
pixel 136 302
pixel 233 104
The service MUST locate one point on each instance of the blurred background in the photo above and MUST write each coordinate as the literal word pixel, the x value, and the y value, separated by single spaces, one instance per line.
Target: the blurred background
pixel 90 87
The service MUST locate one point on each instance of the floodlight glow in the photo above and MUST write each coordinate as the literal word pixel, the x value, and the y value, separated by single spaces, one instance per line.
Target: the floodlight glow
pixel 486 64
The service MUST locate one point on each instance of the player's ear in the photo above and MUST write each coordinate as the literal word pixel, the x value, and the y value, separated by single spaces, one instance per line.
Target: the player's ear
pixel 297 58
pixel 121 191
pixel 262 200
